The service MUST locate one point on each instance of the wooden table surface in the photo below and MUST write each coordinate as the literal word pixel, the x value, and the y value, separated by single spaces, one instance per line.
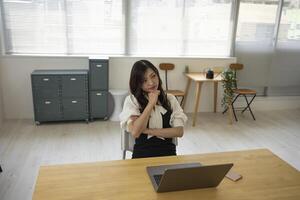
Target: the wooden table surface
pixel 265 176
pixel 200 76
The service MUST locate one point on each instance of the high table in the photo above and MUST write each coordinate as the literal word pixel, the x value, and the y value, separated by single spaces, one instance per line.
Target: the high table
pixel 265 176
pixel 200 78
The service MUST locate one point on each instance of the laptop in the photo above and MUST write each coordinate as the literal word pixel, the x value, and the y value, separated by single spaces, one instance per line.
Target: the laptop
pixel 166 178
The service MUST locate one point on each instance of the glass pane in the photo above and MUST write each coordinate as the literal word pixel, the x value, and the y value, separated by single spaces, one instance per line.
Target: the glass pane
pixel 289 29
pixel 256 21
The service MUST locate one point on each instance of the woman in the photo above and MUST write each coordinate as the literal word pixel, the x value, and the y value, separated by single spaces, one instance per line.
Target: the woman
pixel 150 115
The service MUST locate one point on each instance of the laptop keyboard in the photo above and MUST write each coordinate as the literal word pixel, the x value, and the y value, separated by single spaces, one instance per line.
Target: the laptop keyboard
pixel 157 178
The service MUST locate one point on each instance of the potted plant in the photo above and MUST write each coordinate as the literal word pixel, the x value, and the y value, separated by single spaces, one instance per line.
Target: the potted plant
pixel 229 84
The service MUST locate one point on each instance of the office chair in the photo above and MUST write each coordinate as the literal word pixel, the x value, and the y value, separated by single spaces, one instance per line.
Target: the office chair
pixel 128 141
pixel 241 92
pixel 176 93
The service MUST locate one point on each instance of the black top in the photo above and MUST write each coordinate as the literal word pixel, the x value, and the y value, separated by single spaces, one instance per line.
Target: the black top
pixel 155 146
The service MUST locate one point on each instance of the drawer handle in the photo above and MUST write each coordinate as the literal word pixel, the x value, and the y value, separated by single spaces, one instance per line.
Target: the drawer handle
pixel 46 79
pixel 73 79
pixel 98 66
pixel 99 94
pixel 47 102
pixel 74 101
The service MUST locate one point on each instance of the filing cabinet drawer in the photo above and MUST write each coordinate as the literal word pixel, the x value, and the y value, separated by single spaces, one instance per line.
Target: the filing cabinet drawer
pixel 98 104
pixel 98 75
pixel 75 108
pixel 45 81
pixel 74 86
pixel 47 110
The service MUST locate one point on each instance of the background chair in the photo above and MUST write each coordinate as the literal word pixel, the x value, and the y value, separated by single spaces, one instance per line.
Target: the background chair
pixel 128 141
pixel 241 93
pixel 176 93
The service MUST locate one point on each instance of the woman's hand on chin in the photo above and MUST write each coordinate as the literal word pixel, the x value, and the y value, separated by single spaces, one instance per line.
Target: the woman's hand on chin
pixel 153 96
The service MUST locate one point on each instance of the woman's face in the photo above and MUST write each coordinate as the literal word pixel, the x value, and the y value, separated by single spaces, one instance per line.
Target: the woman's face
pixel 151 81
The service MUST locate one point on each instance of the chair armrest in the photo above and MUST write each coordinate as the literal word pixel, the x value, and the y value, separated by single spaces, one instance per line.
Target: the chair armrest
pixel 127 141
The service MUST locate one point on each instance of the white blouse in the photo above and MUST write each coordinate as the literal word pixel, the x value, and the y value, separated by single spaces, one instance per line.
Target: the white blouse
pixel 131 107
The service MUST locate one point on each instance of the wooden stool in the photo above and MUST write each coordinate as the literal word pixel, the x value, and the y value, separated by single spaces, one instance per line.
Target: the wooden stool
pixel 241 92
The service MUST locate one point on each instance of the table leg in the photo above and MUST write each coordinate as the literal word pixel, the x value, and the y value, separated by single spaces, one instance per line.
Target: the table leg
pixel 198 91
pixel 186 92
pixel 215 95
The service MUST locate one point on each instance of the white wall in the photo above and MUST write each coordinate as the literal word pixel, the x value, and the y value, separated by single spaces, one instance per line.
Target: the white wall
pixel 1 95
pixel 1 101
pixel 17 95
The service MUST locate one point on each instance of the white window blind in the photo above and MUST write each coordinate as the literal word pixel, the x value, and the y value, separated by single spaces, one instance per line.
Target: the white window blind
pixel 95 27
pixel 207 28
pixel 182 27
pixel 34 26
pixel 153 27
pixel 63 26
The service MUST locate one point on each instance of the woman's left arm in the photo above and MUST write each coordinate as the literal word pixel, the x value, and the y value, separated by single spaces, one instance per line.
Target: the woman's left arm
pixel 165 132
pixel 177 121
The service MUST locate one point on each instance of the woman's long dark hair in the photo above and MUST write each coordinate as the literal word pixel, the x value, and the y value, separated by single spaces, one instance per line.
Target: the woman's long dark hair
pixel 136 83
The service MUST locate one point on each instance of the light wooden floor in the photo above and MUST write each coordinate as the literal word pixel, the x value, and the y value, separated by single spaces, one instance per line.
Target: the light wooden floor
pixel 24 147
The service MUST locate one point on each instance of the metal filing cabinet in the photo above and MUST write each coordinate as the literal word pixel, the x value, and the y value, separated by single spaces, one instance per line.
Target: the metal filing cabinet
pixel 98 88
pixel 60 95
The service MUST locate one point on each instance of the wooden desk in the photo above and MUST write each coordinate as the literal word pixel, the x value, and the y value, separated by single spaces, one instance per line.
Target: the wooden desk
pixel 200 78
pixel 265 177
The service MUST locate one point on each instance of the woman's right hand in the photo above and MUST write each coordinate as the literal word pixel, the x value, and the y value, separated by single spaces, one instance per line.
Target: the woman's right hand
pixel 153 96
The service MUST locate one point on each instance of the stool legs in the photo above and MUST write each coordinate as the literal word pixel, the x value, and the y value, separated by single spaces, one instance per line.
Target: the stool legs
pixel 247 107
pixel 233 110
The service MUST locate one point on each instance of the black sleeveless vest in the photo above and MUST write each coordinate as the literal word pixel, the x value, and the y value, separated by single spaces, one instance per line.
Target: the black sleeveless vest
pixel 154 146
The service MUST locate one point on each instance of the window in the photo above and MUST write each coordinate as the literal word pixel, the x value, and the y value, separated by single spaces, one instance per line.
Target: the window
pixel 189 28
pixel 208 27
pixel 256 22
pixel 64 26
pixel 289 31
pixel 153 27
pixel 34 26
pixel 95 27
